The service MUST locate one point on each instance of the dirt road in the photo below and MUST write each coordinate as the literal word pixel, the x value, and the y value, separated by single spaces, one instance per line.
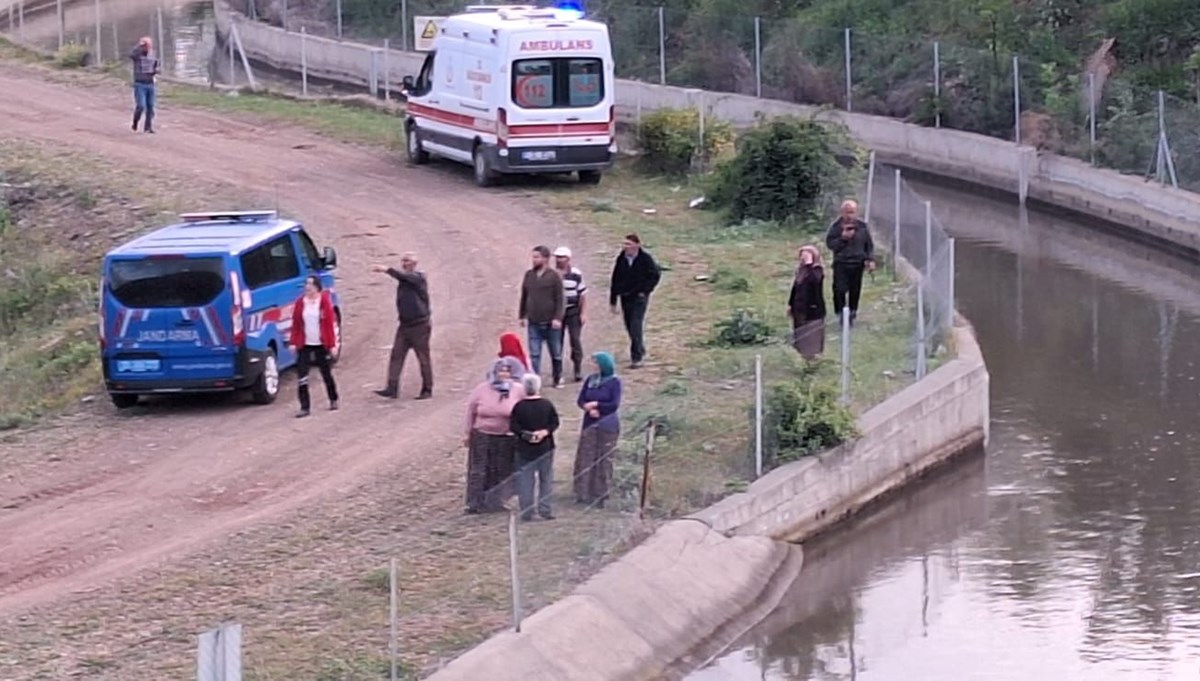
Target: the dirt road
pixel 146 486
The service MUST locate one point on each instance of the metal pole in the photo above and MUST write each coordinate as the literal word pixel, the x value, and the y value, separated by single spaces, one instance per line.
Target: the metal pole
pixel 758 417
pixel 116 42
pixel 283 18
pixel 950 285
pixel 758 56
pixel 339 19
pixel 304 60
pixel 846 355
pixel 648 454
pixel 1017 97
pixel 516 579
pixel 662 46
pixel 62 24
pixel 928 239
pixel 387 63
pixel 253 10
pixel 99 49
pixel 937 85
pixel 162 44
pixel 849 79
pixel 870 186
pixel 21 22
pixel 1092 115
pixel 232 68
pixel 392 643
pixel 921 329
pixel 404 23
pixel 896 231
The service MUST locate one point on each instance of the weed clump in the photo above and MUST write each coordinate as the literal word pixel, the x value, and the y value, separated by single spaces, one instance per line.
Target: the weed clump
pixel 805 416
pixel 670 140
pixel 742 328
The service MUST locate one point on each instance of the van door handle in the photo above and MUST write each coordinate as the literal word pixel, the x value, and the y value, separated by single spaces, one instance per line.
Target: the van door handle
pixel 573 118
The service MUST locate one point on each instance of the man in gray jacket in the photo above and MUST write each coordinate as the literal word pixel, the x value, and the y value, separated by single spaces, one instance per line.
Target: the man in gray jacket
pixel 415 327
pixel 145 68
pixel 853 253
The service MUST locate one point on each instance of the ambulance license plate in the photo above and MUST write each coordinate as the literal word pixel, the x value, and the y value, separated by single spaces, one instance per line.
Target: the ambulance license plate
pixel 133 366
pixel 539 155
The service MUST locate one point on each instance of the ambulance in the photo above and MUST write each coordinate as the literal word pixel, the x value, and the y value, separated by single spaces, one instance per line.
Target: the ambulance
pixel 514 89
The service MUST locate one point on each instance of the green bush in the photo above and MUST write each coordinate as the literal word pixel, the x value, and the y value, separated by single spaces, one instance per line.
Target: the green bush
pixel 740 329
pixel 783 170
pixel 805 417
pixel 728 281
pixel 669 139
pixel 73 56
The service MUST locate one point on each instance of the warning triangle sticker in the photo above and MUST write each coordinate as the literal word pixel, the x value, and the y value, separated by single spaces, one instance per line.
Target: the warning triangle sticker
pixel 430 31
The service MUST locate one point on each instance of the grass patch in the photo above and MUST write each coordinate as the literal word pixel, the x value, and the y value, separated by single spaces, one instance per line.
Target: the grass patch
pixel 358 125
pixel 701 392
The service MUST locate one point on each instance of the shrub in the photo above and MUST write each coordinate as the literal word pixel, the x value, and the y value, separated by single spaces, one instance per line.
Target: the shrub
pixel 728 281
pixel 73 56
pixel 804 417
pixel 783 169
pixel 669 139
pixel 740 329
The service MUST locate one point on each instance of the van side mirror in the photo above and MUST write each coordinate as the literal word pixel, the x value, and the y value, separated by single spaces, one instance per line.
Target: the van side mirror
pixel 329 260
pixel 409 84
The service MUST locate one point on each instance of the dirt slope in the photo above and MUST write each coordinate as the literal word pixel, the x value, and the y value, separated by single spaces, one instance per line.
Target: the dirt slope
pixel 139 488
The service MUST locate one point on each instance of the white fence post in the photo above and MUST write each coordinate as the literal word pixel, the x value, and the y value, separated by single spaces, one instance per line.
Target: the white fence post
pixel 162 42
pixel 21 23
pixel 237 38
pixel 99 49
pixel 373 76
pixel 404 24
pixel 62 24
pixel 758 56
pixel 232 61
pixel 393 642
pixel 928 238
pixel 662 46
pixel 1092 115
pixel 338 9
pixel 849 78
pixel 219 654
pixel 284 17
pixel 387 63
pixel 950 283
pixel 870 186
pixel 1017 97
pixel 937 85
pixel 846 355
pixel 304 60
pixel 921 351
pixel 516 577
pixel 896 230
pixel 758 417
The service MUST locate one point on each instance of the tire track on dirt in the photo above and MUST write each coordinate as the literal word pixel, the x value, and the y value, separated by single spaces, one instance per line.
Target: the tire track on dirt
pixel 204 470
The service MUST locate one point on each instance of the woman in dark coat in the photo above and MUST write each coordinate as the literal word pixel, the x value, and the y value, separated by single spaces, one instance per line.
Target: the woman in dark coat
pixel 806 305
pixel 600 400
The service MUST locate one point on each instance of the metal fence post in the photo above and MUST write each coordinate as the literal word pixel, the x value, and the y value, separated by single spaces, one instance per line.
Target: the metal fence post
pixel 232 68
pixel 116 43
pixel 849 78
pixel 647 454
pixel 758 56
pixel 373 76
pixel 283 17
pixel 921 352
pixel 304 60
pixel 338 9
pixel 1017 97
pixel 1092 115
pixel 950 283
pixel 1166 164
pixel 387 78
pixel 846 355
pixel 62 24
pixel 758 417
pixel 516 578
pixel 937 85
pixel 99 49
pixel 404 23
pixel 928 238
pixel 896 231
pixel 662 46
pixel 870 186
pixel 253 10
pixel 21 22
pixel 393 640
pixel 162 42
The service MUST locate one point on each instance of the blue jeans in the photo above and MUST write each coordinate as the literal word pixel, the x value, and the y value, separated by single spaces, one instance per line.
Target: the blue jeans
pixel 543 469
pixel 143 102
pixel 545 333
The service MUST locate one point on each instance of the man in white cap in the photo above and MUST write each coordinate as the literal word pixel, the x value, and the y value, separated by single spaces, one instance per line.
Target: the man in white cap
pixel 576 296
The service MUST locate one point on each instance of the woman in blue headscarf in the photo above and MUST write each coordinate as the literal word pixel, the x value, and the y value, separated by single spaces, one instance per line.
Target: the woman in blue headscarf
pixel 600 400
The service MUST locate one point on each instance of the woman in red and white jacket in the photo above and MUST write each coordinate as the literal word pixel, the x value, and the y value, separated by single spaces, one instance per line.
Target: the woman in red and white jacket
pixel 314 340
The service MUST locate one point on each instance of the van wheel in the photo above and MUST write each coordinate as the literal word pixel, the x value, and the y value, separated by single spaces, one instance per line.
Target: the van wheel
pixel 589 177
pixel 337 337
pixel 266 388
pixel 123 400
pixel 484 177
pixel 416 155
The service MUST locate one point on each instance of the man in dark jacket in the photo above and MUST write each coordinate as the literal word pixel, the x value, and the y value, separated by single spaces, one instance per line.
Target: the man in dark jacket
pixel 145 67
pixel 415 328
pixel 541 310
pixel 853 253
pixel 634 277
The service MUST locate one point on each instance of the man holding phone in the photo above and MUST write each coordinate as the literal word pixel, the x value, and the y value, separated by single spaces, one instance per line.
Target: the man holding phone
pixel 849 239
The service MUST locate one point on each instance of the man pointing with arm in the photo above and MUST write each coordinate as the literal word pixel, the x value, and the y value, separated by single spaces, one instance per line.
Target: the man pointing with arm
pixel 415 327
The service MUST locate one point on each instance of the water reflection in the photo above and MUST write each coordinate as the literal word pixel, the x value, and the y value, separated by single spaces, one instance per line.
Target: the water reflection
pixel 1086 562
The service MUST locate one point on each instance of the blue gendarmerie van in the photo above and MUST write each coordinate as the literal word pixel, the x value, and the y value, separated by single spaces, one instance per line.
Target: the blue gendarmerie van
pixel 205 305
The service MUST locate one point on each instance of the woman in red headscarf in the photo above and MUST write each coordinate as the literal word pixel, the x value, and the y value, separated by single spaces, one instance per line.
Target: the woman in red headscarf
pixel 511 346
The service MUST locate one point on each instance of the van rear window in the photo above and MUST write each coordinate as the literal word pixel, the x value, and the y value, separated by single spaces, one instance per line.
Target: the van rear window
pixel 560 82
pixel 166 282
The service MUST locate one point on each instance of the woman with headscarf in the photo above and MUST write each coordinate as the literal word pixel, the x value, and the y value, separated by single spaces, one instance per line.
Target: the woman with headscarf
pixel 600 400
pixel 490 443
pixel 511 346
pixel 806 305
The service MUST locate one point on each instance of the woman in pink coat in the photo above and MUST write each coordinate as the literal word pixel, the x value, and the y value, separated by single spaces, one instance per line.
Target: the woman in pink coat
pixel 491 446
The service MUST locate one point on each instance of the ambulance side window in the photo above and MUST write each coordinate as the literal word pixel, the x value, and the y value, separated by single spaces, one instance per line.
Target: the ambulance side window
pixel 425 78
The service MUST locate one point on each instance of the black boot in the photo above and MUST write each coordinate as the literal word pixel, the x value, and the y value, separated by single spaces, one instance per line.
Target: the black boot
pixel 392 391
pixel 578 373
pixel 556 371
pixel 137 117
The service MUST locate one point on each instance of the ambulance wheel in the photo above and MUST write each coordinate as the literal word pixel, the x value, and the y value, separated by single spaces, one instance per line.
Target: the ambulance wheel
pixel 123 400
pixel 484 177
pixel 589 177
pixel 416 155
pixel 266 388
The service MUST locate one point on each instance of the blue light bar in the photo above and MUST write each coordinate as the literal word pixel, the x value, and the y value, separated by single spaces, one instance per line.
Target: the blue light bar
pixel 570 9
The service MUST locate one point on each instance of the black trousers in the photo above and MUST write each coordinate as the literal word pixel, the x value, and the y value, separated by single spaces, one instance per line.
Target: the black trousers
pixel 634 310
pixel 310 356
pixel 573 327
pixel 847 286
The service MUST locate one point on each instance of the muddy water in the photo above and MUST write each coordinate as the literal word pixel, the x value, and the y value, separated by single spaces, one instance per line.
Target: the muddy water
pixel 1073 550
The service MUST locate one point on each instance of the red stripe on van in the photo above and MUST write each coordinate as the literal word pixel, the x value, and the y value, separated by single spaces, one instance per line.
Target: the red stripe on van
pixel 449 118
pixel 531 130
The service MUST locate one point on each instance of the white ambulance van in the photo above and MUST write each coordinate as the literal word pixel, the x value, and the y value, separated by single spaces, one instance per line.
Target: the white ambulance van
pixel 516 90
